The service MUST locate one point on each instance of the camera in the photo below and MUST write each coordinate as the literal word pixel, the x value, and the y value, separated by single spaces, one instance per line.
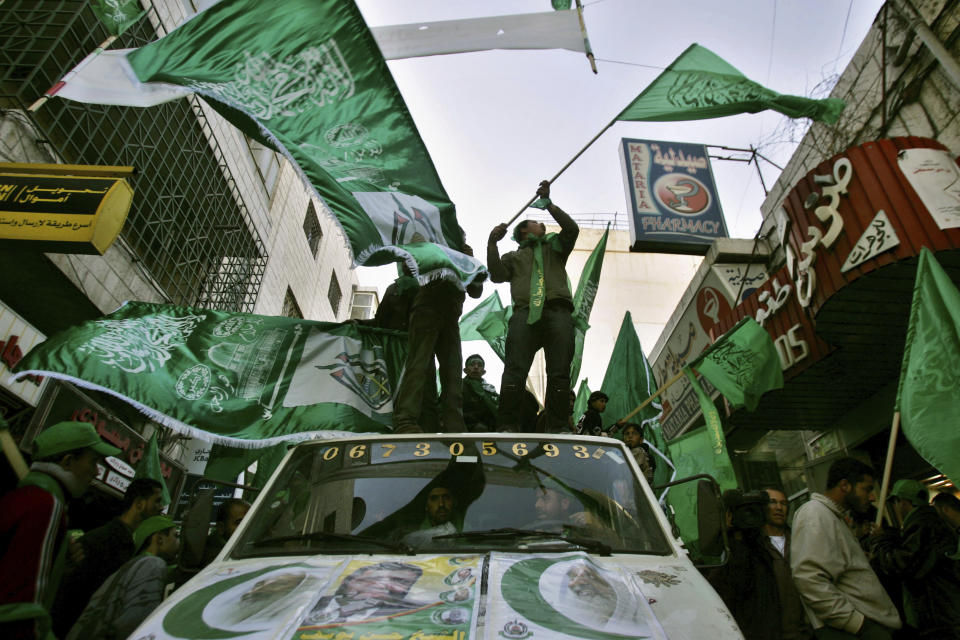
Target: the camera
pixel 748 508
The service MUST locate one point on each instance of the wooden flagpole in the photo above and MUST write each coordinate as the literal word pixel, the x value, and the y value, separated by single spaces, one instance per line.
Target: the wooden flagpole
pixel 887 467
pixel 562 169
pixel 650 399
pixel 53 90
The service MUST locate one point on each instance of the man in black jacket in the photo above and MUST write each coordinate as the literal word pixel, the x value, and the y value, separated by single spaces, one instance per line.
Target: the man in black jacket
pixel 919 556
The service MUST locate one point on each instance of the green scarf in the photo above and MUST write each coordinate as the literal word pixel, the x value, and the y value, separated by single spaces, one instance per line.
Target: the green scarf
pixel 538 290
pixel 477 387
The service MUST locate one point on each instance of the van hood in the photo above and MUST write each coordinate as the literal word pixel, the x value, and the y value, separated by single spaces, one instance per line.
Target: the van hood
pixel 499 596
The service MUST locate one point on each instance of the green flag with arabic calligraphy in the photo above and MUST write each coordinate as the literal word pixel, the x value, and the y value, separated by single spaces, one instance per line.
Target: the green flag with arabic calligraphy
pixel 742 364
pixel 232 378
pixel 700 84
pixel 583 301
pixel 928 396
pixel 309 80
pixel 117 15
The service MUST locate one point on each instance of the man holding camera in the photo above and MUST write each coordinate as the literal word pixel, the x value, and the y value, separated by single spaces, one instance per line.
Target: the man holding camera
pixel 755 584
pixel 842 594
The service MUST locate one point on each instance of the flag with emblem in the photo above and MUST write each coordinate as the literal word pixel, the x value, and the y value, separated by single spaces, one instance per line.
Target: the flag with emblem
pixel 310 82
pixel 700 84
pixel 583 301
pixel 231 378
pixel 928 396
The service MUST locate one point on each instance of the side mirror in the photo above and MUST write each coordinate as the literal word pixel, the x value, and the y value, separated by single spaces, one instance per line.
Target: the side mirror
pixel 698 517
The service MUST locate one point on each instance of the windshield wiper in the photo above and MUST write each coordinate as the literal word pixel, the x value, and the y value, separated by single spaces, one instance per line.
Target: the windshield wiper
pixel 510 532
pixel 400 547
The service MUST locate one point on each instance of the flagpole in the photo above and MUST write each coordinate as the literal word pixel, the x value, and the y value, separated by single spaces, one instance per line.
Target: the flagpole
pixel 562 169
pixel 53 90
pixel 586 40
pixel 650 399
pixel 888 466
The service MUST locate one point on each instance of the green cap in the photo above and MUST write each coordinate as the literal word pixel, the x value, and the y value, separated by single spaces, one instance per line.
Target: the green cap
pixel 149 527
pixel 910 490
pixel 67 436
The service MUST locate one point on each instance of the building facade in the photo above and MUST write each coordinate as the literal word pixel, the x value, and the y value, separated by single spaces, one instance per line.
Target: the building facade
pixel 834 263
pixel 217 221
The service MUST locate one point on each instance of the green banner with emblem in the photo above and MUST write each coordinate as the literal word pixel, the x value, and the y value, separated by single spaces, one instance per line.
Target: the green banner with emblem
pixel 232 378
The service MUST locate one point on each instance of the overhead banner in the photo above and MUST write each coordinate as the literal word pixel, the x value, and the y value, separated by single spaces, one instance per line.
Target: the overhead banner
pixel 674 207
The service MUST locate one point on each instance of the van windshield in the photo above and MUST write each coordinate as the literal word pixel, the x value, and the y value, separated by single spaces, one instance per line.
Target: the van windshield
pixel 438 494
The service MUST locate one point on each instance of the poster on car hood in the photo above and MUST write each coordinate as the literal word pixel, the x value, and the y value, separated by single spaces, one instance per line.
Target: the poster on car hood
pixel 567 596
pixel 250 600
pixel 400 599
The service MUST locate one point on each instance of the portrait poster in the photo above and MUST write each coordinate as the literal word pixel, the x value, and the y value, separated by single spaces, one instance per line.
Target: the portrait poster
pixel 564 596
pixel 399 598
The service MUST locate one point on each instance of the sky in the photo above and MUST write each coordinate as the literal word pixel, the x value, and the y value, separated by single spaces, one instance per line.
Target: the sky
pixel 498 122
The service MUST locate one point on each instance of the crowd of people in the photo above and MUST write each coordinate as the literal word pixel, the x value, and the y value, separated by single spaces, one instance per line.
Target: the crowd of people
pixel 818 579
pixel 102 583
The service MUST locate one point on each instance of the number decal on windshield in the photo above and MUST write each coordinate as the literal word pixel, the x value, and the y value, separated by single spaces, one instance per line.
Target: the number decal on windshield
pixel 580 451
pixel 389 449
pixel 489 449
pixel 552 450
pixel 331 453
pixel 423 449
pixel 358 451
pixel 456 448
pixel 519 449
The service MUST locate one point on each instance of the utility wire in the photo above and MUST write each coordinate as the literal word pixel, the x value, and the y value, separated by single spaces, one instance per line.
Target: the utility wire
pixel 632 64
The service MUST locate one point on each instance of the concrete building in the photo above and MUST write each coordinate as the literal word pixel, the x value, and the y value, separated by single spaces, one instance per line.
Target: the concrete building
pixel 835 259
pixel 217 221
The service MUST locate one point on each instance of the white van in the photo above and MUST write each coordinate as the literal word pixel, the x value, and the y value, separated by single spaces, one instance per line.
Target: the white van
pixel 450 537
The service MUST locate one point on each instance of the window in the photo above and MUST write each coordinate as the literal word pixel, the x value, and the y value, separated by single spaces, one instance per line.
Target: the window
pixel 364 305
pixel 268 164
pixel 311 229
pixel 290 307
pixel 334 295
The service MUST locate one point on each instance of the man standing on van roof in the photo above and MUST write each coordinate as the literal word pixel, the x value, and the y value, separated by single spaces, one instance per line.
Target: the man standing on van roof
pixel 33 525
pixel 842 594
pixel 542 311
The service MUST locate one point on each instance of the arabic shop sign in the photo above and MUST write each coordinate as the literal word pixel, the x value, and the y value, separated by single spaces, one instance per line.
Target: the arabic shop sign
pixel 673 200
pixel 17 336
pixel 57 212
pixel 68 403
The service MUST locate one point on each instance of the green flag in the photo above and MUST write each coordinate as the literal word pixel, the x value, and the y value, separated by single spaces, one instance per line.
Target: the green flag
pixel 742 364
pixel 149 467
pixel 693 453
pixel 494 327
pixel 310 81
pixel 561 5
pixel 583 301
pixel 928 396
pixel 580 404
pixel 117 15
pixel 470 320
pixel 699 84
pixel 628 381
pixel 232 378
